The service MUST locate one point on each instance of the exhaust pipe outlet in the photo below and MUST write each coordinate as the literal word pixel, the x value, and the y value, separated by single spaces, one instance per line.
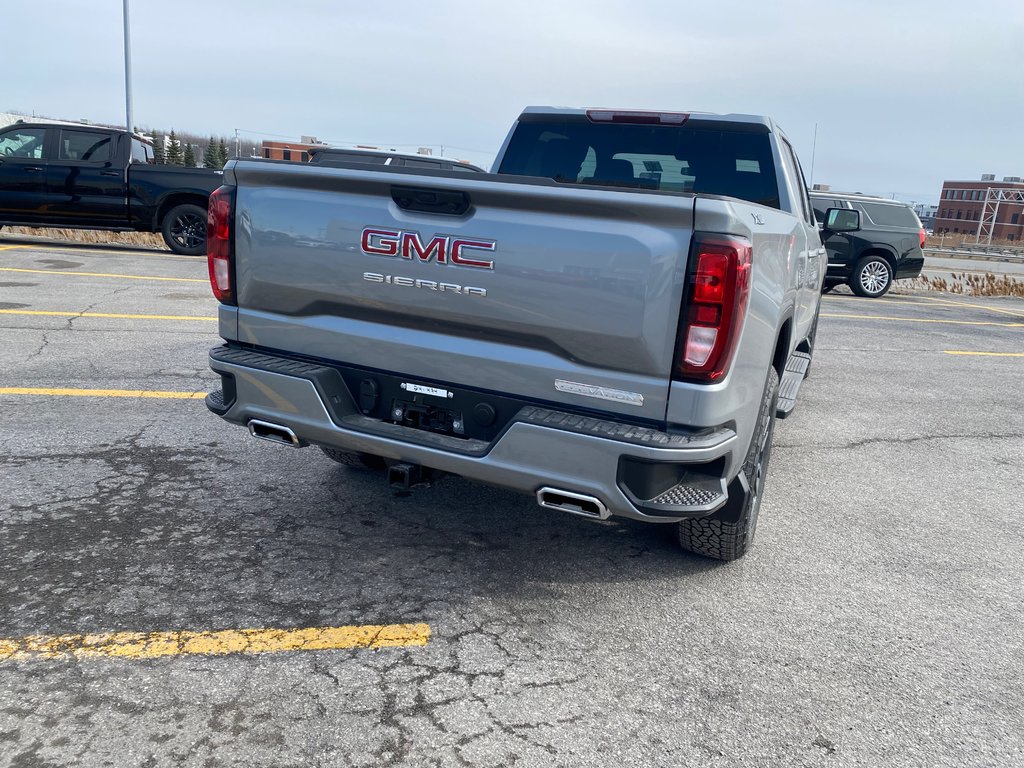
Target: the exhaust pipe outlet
pixel 274 433
pixel 580 504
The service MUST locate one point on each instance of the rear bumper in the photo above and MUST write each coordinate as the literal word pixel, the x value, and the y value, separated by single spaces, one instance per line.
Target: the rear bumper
pixel 909 266
pixel 635 472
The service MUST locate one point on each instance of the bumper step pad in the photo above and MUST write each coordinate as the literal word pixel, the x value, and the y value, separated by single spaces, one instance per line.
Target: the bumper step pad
pixel 792 378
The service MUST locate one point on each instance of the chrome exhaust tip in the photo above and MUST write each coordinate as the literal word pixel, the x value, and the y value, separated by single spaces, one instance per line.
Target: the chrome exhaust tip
pixel 580 504
pixel 274 433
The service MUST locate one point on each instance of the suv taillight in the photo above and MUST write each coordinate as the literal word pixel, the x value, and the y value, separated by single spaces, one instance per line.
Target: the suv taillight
pixel 924 236
pixel 716 303
pixel 219 246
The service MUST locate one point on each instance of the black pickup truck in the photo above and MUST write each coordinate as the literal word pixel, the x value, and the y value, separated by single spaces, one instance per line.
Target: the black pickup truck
pixel 88 177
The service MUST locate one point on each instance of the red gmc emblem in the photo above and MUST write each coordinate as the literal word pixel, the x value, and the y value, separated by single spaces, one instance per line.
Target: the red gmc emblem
pixel 444 249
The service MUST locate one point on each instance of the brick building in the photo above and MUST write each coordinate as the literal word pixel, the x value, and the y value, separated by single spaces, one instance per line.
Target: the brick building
pixel 963 208
pixel 288 150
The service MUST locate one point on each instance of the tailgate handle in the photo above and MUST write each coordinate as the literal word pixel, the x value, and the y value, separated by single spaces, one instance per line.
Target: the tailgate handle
pixel 427 200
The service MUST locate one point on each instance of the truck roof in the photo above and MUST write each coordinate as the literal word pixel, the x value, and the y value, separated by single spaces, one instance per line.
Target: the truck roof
pixel 857 196
pixel 731 117
pixel 73 124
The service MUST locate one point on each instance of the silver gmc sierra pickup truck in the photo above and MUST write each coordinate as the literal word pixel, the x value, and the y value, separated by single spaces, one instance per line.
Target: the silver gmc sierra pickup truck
pixel 610 321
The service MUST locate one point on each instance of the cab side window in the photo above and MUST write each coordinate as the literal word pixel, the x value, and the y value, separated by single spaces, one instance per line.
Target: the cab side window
pixel 794 172
pixel 821 205
pixel 86 146
pixel 23 143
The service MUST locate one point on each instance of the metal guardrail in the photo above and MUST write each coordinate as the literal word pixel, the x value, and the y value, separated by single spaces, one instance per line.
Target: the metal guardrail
pixel 980 252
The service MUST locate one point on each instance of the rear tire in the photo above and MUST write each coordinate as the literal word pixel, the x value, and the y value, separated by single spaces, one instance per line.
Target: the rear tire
pixel 728 534
pixel 872 277
pixel 184 229
pixel 354 459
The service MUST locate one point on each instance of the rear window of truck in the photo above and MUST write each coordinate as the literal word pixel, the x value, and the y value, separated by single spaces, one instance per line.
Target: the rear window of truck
pixel 710 159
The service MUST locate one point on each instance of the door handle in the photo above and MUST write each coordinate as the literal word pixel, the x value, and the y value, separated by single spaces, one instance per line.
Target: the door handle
pixel 33 169
pixel 110 173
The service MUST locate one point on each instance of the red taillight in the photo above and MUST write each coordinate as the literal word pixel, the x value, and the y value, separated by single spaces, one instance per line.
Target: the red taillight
pixel 716 303
pixel 924 237
pixel 219 248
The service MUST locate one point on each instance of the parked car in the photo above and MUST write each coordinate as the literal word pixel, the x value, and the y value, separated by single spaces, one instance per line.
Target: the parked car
pixel 602 322
pixel 74 176
pixel 888 245
pixel 333 156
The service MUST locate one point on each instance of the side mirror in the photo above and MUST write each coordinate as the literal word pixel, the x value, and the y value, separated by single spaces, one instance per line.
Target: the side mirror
pixel 842 220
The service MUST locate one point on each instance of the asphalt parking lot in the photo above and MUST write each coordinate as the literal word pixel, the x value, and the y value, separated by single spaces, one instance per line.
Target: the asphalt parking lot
pixel 876 622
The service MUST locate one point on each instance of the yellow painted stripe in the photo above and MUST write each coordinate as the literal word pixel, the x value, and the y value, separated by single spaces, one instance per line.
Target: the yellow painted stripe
pixel 48 313
pixel 148 393
pixel 955 303
pixel 11 247
pixel 984 354
pixel 924 320
pixel 153 645
pixel 103 274
pixel 126 252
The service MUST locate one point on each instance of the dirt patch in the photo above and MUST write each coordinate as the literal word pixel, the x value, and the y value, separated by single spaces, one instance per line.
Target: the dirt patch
pixel 149 239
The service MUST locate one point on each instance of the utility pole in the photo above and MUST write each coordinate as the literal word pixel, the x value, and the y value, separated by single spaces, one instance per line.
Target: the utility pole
pixel 814 149
pixel 238 141
pixel 129 118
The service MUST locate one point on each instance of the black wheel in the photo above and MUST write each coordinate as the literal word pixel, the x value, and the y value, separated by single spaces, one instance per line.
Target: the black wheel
pixel 872 277
pixel 354 459
pixel 728 534
pixel 184 229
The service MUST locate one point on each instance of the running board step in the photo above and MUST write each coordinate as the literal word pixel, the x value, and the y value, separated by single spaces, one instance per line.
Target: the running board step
pixel 792 378
pixel 693 495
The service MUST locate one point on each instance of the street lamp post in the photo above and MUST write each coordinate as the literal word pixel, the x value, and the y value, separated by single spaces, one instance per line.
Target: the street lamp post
pixel 129 120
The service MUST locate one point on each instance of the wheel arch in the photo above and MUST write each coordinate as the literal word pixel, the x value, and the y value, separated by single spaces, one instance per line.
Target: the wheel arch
pixel 783 340
pixel 879 250
pixel 174 199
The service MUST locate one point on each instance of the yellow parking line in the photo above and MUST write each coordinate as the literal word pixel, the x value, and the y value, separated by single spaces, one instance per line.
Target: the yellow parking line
pixel 62 392
pixel 954 303
pixel 152 645
pixel 983 354
pixel 48 313
pixel 924 320
pixel 103 274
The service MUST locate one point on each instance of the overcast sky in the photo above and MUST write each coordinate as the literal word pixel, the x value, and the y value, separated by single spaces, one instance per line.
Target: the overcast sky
pixel 905 94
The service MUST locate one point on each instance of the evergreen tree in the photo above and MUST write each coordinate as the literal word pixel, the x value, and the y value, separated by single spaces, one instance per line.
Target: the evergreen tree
pixel 190 157
pixel 223 149
pixel 159 156
pixel 174 153
pixel 211 155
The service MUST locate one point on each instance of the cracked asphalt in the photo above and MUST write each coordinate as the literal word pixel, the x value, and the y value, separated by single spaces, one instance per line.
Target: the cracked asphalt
pixel 877 621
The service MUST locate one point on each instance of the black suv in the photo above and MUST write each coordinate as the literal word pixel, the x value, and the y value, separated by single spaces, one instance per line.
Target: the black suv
pixel 888 245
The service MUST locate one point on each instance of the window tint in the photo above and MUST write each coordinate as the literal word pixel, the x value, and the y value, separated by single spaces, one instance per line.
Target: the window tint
pixel 141 152
pixel 712 160
pixel 889 215
pixel 348 157
pixel 410 163
pixel 26 143
pixel 84 145
pixel 821 205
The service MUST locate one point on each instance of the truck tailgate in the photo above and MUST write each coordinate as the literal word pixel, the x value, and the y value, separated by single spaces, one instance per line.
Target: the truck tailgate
pixel 584 285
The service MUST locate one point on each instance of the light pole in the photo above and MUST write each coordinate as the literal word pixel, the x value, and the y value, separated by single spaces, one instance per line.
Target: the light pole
pixel 129 120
